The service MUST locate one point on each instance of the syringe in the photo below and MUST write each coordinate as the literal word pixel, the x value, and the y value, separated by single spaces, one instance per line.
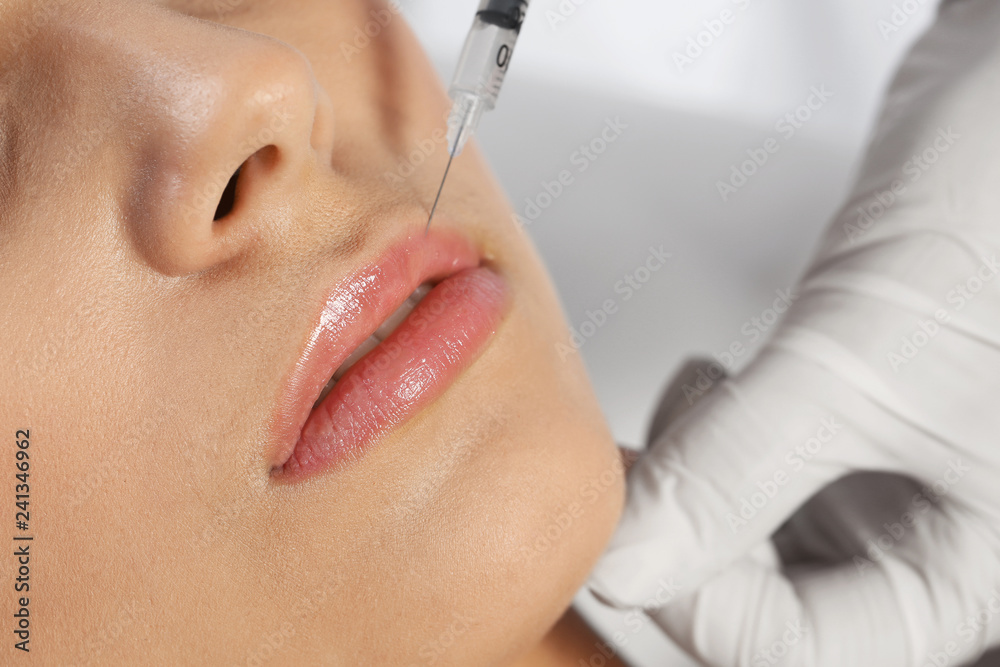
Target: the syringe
pixel 480 73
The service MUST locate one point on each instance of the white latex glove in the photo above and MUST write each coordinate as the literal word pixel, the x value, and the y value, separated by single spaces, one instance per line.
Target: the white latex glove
pixel 888 362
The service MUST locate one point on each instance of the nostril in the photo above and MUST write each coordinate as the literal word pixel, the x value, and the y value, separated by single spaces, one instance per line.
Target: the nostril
pixel 228 199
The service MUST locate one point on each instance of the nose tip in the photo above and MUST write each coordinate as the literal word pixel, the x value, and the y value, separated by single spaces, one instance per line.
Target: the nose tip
pixel 266 123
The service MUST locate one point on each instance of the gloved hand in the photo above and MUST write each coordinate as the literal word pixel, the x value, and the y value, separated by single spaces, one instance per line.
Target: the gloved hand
pixel 887 365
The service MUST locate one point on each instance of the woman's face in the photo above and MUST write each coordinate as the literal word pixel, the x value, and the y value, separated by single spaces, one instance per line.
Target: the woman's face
pixel 166 335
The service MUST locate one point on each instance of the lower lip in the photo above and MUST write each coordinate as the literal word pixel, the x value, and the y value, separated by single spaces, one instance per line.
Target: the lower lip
pixel 410 369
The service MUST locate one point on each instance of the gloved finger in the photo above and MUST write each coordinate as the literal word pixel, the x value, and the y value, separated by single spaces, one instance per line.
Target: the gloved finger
pixel 858 512
pixel 845 517
pixel 912 605
pixel 725 475
pixel 696 378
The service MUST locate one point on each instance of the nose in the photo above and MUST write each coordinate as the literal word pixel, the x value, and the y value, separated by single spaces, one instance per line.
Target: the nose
pixel 233 142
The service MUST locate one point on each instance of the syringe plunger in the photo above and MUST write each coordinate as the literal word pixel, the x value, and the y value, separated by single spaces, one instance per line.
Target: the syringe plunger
pixel 482 66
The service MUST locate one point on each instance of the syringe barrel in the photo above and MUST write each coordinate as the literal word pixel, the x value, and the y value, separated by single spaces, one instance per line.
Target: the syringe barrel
pixel 488 49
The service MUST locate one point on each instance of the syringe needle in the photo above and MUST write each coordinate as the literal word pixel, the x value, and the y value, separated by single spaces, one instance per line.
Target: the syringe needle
pixel 438 198
pixel 451 156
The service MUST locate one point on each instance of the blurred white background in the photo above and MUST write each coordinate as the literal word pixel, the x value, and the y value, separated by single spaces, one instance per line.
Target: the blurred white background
pixel 580 63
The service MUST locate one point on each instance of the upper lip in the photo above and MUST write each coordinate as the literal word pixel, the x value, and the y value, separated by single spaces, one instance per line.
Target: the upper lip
pixel 353 309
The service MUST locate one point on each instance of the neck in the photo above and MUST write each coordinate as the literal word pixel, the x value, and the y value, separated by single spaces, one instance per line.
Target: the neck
pixel 571 643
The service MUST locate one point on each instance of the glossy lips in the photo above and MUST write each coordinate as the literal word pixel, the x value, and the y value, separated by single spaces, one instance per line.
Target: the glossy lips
pixel 414 365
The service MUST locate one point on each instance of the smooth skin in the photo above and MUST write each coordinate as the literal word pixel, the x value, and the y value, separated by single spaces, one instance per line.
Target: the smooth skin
pixel 145 345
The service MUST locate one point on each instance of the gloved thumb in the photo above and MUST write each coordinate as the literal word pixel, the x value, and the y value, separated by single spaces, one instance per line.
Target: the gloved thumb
pixel 725 475
pixel 895 598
